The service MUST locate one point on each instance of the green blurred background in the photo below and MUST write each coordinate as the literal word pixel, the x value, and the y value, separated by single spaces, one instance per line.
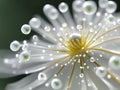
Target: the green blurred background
pixel 13 14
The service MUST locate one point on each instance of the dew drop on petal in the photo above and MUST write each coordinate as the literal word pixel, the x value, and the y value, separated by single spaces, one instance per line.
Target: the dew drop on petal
pixel 110 18
pixel 112 6
pixel 114 62
pixel 101 72
pixel 81 75
pixel 26 29
pixel 15 45
pixel 63 7
pixel 47 28
pixel 35 22
pixel 42 77
pixel 35 38
pixel 56 83
pixel 89 7
pixel 92 59
pixel 24 56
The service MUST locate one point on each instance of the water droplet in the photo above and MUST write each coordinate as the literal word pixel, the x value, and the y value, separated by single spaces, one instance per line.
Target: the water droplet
pixel 81 75
pixel 63 7
pixel 24 56
pixel 42 77
pixel 15 45
pixel 26 29
pixel 114 62
pixel 101 72
pixel 56 83
pixel 89 7
pixel 92 59
pixel 112 6
pixel 47 28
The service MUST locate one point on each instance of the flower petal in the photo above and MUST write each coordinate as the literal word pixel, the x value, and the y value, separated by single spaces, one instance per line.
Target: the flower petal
pixel 11 67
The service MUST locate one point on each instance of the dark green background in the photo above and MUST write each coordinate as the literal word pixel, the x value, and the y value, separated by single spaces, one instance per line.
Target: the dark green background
pixel 14 13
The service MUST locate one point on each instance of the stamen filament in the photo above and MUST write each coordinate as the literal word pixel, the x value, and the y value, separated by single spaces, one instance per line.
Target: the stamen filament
pixel 105 41
pixel 95 39
pixel 62 68
pixel 94 36
pixel 108 72
pixel 57 61
pixel 107 51
pixel 81 64
pixel 71 76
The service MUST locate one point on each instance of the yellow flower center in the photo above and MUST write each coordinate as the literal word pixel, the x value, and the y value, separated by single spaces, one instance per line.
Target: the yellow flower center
pixel 77 45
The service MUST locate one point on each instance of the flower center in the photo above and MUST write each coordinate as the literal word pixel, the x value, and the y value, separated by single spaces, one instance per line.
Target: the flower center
pixel 77 45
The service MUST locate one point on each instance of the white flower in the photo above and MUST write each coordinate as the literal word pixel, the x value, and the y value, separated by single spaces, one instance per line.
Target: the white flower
pixel 74 54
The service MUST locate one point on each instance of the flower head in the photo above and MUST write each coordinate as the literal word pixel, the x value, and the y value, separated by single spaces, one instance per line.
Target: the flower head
pixel 78 52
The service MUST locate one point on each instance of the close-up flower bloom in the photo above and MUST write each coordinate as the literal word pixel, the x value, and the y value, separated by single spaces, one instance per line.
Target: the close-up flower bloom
pixel 78 51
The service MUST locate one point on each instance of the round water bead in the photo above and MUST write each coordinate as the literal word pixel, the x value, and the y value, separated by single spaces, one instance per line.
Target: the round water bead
pixel 112 6
pixel 35 22
pixel 111 18
pixel 56 83
pixel 24 56
pixel 114 62
pixel 47 28
pixel 15 45
pixel 63 7
pixel 26 29
pixel 101 72
pixel 42 76
pixel 81 75
pixel 35 38
pixel 92 59
pixel 89 7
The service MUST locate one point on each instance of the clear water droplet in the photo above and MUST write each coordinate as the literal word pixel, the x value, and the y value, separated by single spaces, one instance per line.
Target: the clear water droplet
pixel 15 45
pixel 26 29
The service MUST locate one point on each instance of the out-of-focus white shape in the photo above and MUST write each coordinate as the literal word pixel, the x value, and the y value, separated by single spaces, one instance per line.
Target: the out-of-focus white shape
pixel 42 77
pixel 51 12
pixel 24 56
pixel 77 5
pixel 26 29
pixel 112 6
pixel 103 3
pixel 101 72
pixel 89 7
pixel 15 45
pixel 75 36
pixel 114 62
pixel 56 83
pixel 24 46
pixel 35 22
pixel 63 7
